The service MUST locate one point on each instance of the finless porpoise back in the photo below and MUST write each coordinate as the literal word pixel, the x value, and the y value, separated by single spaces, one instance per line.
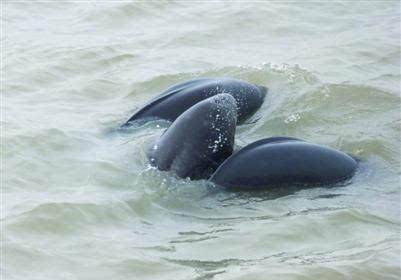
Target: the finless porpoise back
pixel 178 98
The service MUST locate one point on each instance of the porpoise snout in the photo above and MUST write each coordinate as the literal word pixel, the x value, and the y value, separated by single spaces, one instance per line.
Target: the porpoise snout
pixel 263 90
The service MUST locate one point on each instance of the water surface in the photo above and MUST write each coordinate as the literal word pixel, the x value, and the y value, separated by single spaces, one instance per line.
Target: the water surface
pixel 79 200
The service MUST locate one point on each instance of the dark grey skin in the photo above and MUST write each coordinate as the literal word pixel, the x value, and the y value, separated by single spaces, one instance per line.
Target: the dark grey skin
pixel 199 140
pixel 283 161
pixel 178 98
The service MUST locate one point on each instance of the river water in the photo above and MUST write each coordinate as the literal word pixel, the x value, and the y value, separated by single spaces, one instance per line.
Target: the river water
pixel 79 200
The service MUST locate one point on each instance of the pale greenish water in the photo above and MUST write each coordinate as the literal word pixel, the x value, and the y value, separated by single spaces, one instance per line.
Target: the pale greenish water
pixel 78 198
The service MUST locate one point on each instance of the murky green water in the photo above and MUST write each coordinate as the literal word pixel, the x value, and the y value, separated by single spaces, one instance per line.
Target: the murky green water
pixel 78 198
